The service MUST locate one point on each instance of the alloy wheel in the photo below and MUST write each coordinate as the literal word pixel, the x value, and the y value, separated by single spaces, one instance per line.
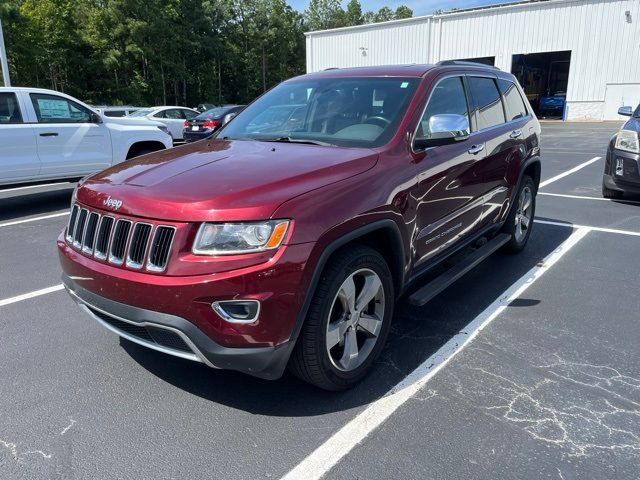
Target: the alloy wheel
pixel 355 320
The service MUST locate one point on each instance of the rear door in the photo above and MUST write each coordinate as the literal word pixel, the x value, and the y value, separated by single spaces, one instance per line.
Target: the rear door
pixel 503 142
pixel 69 142
pixel 174 119
pixel 450 183
pixel 18 150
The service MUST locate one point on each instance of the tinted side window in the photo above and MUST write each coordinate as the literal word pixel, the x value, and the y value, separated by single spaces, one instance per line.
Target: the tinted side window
pixel 512 100
pixel 486 102
pixel 188 114
pixel 114 113
pixel 448 97
pixel 54 109
pixel 9 110
pixel 174 114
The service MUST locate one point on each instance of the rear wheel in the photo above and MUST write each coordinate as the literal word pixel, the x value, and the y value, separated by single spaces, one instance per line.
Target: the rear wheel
pixel 348 321
pixel 520 220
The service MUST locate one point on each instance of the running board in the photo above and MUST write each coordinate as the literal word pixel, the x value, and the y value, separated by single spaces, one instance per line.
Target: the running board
pixel 430 290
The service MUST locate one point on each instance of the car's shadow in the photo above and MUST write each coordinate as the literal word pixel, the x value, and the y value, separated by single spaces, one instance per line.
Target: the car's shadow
pixel 417 333
pixel 40 201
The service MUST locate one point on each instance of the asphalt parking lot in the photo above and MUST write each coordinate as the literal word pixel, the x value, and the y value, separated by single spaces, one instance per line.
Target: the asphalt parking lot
pixel 529 367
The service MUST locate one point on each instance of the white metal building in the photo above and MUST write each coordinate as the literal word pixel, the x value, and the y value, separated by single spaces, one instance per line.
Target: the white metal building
pixel 589 47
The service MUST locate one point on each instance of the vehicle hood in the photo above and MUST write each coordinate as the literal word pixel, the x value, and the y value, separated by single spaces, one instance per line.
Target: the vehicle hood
pixel 219 180
pixel 132 121
pixel 632 124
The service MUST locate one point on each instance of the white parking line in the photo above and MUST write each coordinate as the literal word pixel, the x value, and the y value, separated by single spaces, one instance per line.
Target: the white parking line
pixel 325 457
pixel 569 172
pixel 27 296
pixel 34 186
pixel 584 197
pixel 33 219
pixel 590 228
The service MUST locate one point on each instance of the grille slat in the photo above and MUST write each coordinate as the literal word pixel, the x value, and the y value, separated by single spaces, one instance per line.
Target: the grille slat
pixel 119 240
pixel 79 229
pixel 90 233
pixel 160 248
pixel 72 222
pixel 138 246
pixel 104 234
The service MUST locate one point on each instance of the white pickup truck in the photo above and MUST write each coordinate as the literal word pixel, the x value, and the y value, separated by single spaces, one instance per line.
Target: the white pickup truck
pixel 47 135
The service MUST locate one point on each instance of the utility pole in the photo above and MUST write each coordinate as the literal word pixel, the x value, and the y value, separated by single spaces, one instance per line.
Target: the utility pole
pixel 3 59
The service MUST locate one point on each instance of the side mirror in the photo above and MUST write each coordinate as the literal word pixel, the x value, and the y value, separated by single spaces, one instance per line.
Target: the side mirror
pixel 443 129
pixel 626 111
pixel 95 118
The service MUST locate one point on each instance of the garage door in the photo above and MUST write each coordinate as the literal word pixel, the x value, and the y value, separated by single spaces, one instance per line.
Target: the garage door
pixel 619 95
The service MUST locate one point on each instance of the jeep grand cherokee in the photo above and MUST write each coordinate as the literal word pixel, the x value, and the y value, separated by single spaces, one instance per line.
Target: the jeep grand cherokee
pixel 287 241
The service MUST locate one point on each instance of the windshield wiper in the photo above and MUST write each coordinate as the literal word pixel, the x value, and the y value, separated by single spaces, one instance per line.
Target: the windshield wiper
pixel 296 140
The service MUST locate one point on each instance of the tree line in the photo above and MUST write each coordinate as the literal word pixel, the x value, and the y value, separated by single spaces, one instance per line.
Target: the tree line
pixel 183 52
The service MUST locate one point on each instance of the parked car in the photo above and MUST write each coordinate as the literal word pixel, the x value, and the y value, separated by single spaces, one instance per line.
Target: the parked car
pixel 622 164
pixel 258 250
pixel 121 111
pixel 48 135
pixel 172 117
pixel 203 125
pixel 552 105
pixel 203 107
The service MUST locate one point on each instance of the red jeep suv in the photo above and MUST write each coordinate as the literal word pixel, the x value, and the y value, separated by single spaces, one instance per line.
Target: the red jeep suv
pixel 287 237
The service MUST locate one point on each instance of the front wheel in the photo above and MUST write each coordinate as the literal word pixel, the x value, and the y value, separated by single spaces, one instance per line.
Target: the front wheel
pixel 520 220
pixel 348 320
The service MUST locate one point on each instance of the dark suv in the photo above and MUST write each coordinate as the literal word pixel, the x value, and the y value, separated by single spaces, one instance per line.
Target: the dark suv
pixel 287 238
pixel 622 164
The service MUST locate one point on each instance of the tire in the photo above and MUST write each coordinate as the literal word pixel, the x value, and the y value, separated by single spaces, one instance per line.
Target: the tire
pixel 515 224
pixel 330 320
pixel 610 193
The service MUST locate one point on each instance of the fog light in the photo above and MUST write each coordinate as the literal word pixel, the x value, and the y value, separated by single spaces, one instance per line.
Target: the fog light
pixel 619 166
pixel 237 311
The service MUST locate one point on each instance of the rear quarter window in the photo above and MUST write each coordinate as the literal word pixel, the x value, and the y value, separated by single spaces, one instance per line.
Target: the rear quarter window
pixel 513 102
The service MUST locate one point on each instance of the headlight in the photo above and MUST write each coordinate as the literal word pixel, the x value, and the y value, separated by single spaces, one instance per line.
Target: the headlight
pixel 235 238
pixel 164 129
pixel 627 140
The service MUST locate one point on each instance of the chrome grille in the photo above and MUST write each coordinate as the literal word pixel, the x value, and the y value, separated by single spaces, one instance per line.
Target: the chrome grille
pixel 120 241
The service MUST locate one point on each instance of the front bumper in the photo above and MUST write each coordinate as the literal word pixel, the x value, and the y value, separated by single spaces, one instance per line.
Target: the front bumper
pixel 622 171
pixel 176 336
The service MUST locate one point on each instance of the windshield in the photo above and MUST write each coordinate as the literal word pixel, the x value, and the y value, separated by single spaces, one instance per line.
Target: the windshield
pixel 352 112
pixel 141 113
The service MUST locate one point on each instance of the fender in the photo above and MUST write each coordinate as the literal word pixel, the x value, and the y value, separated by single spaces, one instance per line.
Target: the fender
pixel 385 224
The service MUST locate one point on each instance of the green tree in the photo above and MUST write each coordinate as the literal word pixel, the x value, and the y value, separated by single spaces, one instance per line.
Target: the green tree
pixel 403 12
pixel 353 14
pixel 324 14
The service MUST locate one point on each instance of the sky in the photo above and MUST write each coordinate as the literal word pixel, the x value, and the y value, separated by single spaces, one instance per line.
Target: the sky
pixel 419 7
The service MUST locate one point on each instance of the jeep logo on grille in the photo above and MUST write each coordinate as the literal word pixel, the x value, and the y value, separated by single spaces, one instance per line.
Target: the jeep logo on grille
pixel 112 202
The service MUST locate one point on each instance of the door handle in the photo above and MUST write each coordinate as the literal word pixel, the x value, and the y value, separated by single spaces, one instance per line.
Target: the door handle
pixel 475 149
pixel 515 134
pixel 49 134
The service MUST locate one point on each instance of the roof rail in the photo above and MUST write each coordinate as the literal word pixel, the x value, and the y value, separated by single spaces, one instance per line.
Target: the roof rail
pixel 331 68
pixel 467 63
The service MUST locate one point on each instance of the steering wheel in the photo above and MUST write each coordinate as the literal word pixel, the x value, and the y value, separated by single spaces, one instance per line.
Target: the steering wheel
pixel 378 120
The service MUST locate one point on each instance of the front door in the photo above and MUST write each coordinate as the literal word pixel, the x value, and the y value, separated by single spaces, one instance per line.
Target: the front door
pixel 449 184
pixel 70 143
